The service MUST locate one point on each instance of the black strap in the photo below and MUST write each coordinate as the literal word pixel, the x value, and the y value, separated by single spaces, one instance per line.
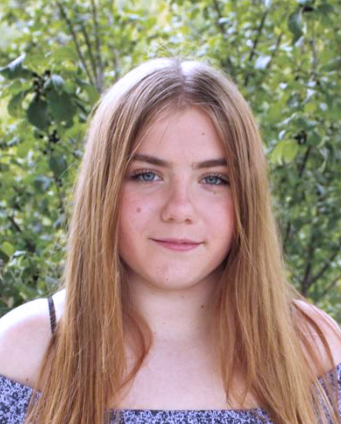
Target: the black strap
pixel 53 319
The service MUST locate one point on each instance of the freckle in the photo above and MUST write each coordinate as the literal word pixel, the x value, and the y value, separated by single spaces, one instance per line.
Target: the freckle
pixel 202 306
pixel 138 210
pixel 203 133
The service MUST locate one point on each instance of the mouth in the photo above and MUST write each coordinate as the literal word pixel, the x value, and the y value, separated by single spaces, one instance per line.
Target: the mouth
pixel 177 244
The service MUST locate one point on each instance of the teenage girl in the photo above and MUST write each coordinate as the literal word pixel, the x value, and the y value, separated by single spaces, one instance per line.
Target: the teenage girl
pixel 174 304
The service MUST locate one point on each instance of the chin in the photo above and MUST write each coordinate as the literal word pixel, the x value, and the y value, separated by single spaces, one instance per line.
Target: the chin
pixel 175 283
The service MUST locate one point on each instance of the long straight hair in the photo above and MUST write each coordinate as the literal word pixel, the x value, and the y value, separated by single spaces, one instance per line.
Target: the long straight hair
pixel 256 321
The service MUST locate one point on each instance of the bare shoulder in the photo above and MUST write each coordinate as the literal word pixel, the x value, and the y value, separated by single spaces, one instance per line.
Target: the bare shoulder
pixel 25 333
pixel 327 326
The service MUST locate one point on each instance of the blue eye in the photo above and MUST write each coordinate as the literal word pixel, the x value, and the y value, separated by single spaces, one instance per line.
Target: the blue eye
pixel 143 176
pixel 213 178
pixel 148 176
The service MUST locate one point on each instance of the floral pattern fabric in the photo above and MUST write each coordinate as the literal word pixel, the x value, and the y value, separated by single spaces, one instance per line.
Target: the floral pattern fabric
pixel 14 399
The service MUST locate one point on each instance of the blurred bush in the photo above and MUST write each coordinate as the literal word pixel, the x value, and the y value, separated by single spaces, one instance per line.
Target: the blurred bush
pixel 57 57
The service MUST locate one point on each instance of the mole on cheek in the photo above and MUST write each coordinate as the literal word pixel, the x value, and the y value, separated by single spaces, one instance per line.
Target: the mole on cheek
pixel 138 210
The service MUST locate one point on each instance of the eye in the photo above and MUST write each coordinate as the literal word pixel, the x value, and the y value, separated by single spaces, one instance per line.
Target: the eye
pixel 143 176
pixel 216 179
pixel 148 176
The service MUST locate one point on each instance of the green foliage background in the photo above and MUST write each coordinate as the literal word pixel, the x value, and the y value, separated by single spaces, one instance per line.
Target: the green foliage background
pixel 58 56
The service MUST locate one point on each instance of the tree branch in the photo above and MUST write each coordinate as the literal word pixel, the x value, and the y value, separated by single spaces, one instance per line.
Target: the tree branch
pixel 217 9
pixel 312 43
pixel 304 163
pixel 330 286
pixel 75 40
pixel 301 170
pixel 60 197
pixel 227 63
pixel 88 44
pixel 287 234
pixel 14 224
pixel 275 50
pixel 117 64
pixel 325 266
pixel 99 74
pixel 255 44
pixel 306 279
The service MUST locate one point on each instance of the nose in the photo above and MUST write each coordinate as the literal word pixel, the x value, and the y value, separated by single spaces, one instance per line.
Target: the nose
pixel 178 204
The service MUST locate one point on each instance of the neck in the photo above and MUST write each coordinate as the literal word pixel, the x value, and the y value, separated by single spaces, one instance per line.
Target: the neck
pixel 175 316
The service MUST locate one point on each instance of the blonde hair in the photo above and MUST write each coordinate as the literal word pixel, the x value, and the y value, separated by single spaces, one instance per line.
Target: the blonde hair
pixel 256 316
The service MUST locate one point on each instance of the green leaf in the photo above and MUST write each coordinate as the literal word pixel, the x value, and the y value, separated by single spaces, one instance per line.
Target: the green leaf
pixel 3 257
pixel 14 105
pixel 333 65
pixel 55 82
pixel 42 183
pixel 52 282
pixel 295 24
pixel 63 54
pixel 314 138
pixel 90 90
pixel 58 165
pixel 276 154
pixel 7 248
pixel 25 291
pixel 61 105
pixel 92 93
pixel 305 124
pixel 289 150
pixel 24 148
pixel 334 112
pixel 284 151
pixel 36 61
pixel 37 113
pixel 325 8
pixel 15 69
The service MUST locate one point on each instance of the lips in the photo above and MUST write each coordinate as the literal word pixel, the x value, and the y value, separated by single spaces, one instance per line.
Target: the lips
pixel 179 245
pixel 177 241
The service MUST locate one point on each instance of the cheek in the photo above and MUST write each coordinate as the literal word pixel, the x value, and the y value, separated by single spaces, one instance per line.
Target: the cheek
pixel 130 206
pixel 221 213
pixel 134 213
pixel 220 219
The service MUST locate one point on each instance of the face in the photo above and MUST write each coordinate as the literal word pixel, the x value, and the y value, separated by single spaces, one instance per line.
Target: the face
pixel 176 212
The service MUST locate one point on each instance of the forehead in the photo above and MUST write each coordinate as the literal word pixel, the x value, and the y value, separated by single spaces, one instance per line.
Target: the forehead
pixel 181 134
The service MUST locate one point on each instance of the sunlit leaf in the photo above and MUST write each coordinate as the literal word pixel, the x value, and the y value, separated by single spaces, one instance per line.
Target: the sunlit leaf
pixel 15 69
pixel 56 83
pixel 7 248
pixel 15 104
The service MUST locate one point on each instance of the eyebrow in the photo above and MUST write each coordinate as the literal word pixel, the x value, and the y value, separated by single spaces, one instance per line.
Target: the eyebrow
pixel 161 162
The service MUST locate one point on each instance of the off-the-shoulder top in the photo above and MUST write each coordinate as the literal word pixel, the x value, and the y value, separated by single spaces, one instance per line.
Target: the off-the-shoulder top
pixel 14 399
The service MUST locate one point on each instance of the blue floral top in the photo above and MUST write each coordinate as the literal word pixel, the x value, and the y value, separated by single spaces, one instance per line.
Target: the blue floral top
pixel 14 398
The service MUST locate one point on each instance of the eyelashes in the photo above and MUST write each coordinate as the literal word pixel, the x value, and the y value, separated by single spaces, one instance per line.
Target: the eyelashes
pixel 139 177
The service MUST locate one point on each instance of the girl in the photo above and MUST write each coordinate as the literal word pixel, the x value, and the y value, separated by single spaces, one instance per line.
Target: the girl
pixel 174 306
